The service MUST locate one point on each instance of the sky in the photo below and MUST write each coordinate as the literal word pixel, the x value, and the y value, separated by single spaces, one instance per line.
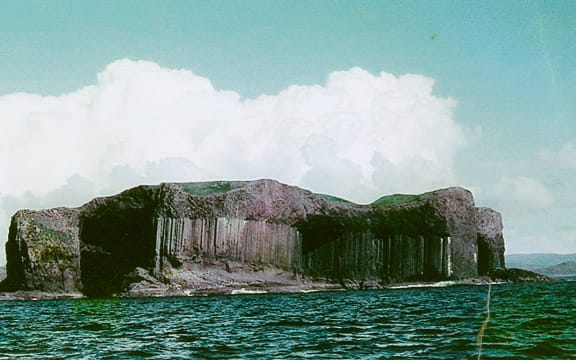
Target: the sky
pixel 357 99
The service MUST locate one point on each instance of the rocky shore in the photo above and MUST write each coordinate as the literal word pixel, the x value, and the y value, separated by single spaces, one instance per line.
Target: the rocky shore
pixel 263 281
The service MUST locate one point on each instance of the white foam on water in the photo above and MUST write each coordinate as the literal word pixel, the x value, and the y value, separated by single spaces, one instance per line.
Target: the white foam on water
pixel 424 285
pixel 247 291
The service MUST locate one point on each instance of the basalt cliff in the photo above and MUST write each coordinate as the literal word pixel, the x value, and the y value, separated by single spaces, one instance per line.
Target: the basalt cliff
pixel 183 238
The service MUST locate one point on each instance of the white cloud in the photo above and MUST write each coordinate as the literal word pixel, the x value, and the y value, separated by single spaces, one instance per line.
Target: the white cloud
pixel 559 241
pixel 357 136
pixel 523 195
pixel 563 158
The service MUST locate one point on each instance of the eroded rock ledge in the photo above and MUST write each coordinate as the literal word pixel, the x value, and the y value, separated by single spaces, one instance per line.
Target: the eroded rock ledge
pixel 174 239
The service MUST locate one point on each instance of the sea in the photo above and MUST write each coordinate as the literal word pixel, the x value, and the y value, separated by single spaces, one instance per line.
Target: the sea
pixel 524 321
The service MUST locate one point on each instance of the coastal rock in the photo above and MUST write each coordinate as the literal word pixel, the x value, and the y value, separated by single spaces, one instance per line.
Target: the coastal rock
pixel 43 252
pixel 516 275
pixel 490 241
pixel 217 236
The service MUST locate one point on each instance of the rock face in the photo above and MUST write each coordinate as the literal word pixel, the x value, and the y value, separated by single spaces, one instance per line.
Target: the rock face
pixel 490 241
pixel 179 236
pixel 43 252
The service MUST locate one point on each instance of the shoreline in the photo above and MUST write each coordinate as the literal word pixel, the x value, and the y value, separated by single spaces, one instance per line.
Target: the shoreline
pixel 304 288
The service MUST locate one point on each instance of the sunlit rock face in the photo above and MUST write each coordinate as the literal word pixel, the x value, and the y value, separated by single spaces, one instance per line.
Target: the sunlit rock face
pixel 159 235
pixel 43 251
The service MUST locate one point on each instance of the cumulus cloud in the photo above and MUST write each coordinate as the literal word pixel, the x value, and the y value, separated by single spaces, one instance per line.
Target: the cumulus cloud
pixel 358 136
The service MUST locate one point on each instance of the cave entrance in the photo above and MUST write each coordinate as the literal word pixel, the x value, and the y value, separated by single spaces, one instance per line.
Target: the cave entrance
pixel 484 256
pixel 114 243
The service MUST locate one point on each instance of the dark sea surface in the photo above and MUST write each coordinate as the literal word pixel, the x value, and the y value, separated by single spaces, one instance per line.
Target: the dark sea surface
pixel 528 321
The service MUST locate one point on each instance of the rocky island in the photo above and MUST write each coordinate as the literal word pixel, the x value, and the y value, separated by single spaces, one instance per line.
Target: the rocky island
pixel 243 236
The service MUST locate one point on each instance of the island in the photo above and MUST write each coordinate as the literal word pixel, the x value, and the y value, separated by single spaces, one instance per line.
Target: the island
pixel 248 236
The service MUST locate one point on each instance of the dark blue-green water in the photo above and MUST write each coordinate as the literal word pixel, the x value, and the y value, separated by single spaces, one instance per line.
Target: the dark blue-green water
pixel 528 321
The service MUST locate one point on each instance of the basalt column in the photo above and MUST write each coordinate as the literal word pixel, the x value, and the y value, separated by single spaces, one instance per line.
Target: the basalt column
pixel 181 240
pixel 332 253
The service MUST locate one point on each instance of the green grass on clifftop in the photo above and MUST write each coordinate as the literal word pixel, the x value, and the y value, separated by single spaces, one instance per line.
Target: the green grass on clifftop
pixel 398 199
pixel 211 187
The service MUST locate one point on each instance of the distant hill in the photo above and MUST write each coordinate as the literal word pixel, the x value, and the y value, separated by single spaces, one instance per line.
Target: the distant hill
pixel 565 268
pixel 537 261
pixel 2 273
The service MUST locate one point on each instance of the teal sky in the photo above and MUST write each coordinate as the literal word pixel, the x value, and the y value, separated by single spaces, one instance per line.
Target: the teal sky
pixel 509 65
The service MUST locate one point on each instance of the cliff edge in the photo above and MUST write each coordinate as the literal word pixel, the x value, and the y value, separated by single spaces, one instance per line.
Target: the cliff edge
pixel 182 238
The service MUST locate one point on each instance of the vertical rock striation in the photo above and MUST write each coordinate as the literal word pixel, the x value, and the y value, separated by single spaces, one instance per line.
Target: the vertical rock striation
pixel 155 232
pixel 400 238
pixel 181 240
